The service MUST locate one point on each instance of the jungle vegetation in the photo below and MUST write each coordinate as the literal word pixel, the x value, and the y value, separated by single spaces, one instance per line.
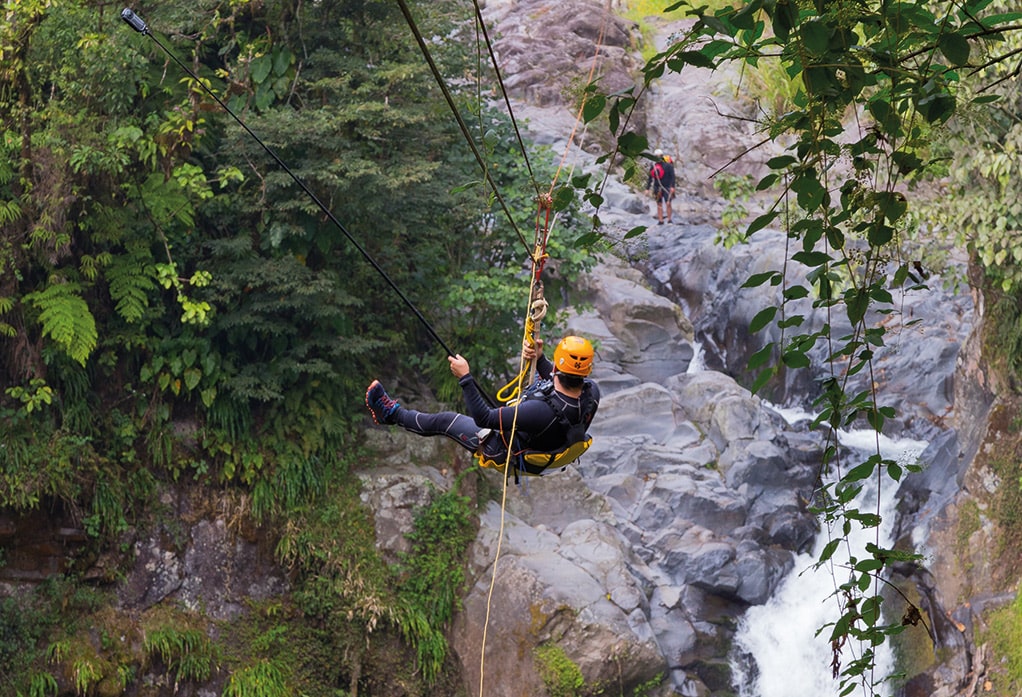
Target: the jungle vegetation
pixel 174 309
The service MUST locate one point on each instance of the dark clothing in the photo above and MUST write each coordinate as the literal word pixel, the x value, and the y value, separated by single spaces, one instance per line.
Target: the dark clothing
pixel 661 180
pixel 537 427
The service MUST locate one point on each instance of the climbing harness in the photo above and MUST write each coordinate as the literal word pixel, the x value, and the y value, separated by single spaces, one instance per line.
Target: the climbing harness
pixel 538 462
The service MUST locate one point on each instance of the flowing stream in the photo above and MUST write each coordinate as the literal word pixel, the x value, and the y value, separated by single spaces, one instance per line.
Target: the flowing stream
pixel 777 650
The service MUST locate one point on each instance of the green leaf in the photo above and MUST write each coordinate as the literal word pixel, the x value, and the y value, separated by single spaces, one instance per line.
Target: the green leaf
pixel 811 258
pixel 697 59
pixel 767 181
pixel 761 222
pixel 261 67
pixel 593 107
pixel 856 302
pixel 66 319
pixel 795 292
pixel 784 19
pixel 632 144
pixel 955 48
pixel 281 60
pixel 758 279
pixel 563 197
pixel 828 550
pixel 762 378
pixel 816 36
pixel 761 357
pixel 635 232
pixel 781 161
pixel 893 205
pixel 465 187
pixel 762 319
pixel 192 377
pixel 869 565
pixel 795 359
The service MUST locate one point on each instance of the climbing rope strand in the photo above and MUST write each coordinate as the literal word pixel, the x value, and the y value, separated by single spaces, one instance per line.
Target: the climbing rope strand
pixel 507 472
pixel 537 311
pixel 457 115
pixel 589 80
pixel 504 94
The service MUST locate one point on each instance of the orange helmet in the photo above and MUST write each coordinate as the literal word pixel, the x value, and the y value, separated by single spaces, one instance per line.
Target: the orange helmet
pixel 574 356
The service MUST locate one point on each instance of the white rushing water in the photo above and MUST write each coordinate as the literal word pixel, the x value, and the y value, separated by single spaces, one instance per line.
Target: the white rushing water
pixel 788 658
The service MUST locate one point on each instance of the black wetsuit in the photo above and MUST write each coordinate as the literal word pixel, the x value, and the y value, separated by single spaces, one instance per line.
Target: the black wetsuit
pixel 537 427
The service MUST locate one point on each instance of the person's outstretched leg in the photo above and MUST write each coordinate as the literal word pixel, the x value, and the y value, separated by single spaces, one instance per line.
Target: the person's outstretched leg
pixel 462 429
pixel 385 411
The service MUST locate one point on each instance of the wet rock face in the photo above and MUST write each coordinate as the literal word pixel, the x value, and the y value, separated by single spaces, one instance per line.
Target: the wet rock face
pixel 203 565
pixel 546 48
pixel 37 545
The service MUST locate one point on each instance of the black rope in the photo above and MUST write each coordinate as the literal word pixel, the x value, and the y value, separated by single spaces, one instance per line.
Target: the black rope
pixel 139 25
pixel 503 92
pixel 461 122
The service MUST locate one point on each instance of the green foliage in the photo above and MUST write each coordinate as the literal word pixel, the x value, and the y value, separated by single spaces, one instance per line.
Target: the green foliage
pixel 131 280
pixel 560 675
pixel 432 575
pixel 65 317
pixel 978 205
pixel 647 688
pixel 1004 633
pixel 20 631
pixel 1003 345
pixel 341 577
pixel 37 395
pixel 736 190
pixel 41 685
pixel 264 678
pixel 187 654
pixel 34 631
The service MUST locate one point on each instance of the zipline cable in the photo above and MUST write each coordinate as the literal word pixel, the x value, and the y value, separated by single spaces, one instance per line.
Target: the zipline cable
pixel 457 115
pixel 139 25
pixel 503 91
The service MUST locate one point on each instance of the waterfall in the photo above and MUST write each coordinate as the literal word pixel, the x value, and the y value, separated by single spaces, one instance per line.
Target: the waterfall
pixel 777 651
pixel 698 362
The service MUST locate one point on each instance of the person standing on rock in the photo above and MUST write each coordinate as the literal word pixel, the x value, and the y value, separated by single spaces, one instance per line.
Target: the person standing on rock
pixel 661 184
pixel 551 418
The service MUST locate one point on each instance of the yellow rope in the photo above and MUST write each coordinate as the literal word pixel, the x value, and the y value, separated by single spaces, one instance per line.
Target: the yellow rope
pixel 537 310
pixel 507 472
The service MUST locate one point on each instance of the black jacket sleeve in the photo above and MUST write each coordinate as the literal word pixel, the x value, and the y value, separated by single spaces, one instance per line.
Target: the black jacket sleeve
pixel 533 415
pixel 544 367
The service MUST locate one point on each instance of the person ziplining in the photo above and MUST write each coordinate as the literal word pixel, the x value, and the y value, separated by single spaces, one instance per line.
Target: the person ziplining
pixel 549 420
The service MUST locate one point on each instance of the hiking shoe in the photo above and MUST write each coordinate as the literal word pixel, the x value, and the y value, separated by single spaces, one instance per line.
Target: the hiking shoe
pixel 381 406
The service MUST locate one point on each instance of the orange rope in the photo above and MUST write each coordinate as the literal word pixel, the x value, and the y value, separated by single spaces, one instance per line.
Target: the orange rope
pixel 589 80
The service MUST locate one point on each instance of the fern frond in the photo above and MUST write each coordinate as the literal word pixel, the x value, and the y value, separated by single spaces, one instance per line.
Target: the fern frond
pixel 65 318
pixel 131 278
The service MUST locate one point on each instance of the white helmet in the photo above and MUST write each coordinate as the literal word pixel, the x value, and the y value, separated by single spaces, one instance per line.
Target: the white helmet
pixel 658 152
